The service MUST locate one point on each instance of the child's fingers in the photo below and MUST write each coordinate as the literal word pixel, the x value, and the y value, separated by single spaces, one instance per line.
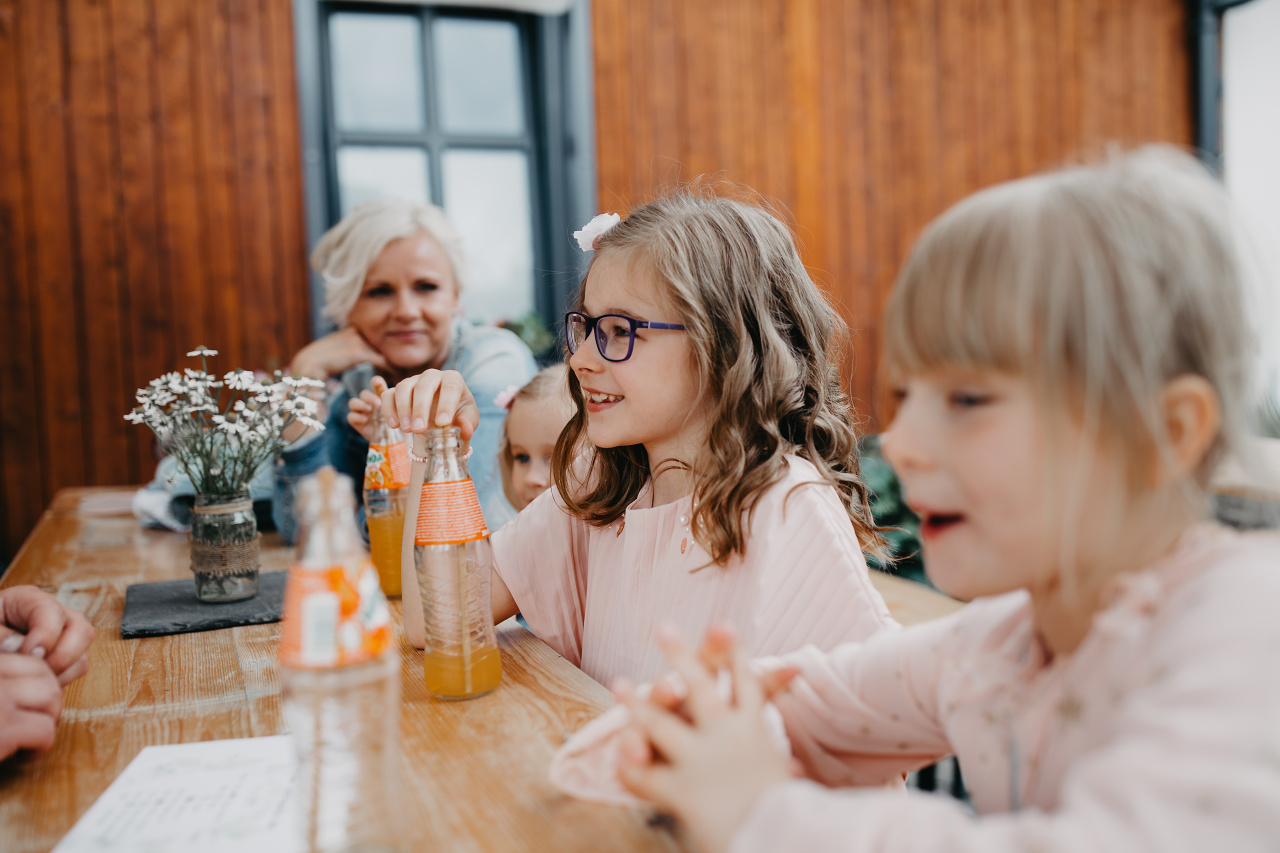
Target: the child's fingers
pixel 649 782
pixel 777 681
pixel 747 691
pixel 379 385
pixel 74 671
pixel 668 734
pixel 716 648
pixel 633 747
pixel 704 699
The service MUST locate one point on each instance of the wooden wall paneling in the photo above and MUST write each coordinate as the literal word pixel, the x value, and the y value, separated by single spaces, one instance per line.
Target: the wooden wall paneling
pixel 255 284
pixel 882 137
pixel 216 167
pixel 290 243
pixel 150 295
pixel 182 222
pixel 995 137
pixel 1040 47
pixel 804 184
pixel 59 338
pixel 20 423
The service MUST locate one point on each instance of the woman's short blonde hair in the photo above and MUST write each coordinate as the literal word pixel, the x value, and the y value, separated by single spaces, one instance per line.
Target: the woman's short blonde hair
pixel 1099 283
pixel 347 250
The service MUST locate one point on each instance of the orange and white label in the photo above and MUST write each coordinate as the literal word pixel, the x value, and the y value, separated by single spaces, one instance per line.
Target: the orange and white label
pixel 449 514
pixel 333 617
pixel 387 466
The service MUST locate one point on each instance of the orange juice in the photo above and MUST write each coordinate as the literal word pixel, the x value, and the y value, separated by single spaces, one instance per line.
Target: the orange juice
pixel 386 532
pixel 446 676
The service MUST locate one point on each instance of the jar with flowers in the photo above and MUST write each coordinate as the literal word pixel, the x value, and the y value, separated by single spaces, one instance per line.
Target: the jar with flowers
pixel 221 431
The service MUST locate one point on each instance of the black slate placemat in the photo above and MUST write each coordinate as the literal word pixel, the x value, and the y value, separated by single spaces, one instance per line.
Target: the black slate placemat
pixel 171 607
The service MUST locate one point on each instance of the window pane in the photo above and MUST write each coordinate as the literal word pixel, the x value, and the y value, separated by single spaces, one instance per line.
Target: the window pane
pixel 487 196
pixel 377 71
pixel 478 63
pixel 370 174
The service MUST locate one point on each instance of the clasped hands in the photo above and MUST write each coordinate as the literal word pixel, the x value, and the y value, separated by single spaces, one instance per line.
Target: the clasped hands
pixel 698 754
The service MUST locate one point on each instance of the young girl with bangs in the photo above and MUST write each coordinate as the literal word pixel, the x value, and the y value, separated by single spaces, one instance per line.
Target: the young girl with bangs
pixel 1069 353
pixel 709 473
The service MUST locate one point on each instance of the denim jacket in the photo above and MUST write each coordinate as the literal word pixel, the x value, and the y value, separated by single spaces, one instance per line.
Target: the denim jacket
pixel 489 360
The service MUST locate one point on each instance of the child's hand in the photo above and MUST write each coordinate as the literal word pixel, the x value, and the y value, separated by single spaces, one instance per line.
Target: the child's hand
pixel 361 408
pixel 34 623
pixel 708 772
pixel 30 704
pixel 432 399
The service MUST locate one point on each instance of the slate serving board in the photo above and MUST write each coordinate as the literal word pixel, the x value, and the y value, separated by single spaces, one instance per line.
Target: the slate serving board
pixel 171 607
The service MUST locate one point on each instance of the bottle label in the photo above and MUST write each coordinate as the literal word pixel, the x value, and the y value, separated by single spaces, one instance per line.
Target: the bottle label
pixel 334 617
pixel 449 514
pixel 387 466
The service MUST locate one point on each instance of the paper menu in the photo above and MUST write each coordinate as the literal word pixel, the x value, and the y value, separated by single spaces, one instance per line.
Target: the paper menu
pixel 197 798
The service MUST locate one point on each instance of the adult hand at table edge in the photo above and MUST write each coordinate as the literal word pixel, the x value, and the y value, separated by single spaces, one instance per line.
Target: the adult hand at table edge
pixel 334 354
pixel 30 704
pixel 432 399
pixel 56 634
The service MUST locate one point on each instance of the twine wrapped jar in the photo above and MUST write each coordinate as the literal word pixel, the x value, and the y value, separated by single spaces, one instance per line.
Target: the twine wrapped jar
pixel 224 547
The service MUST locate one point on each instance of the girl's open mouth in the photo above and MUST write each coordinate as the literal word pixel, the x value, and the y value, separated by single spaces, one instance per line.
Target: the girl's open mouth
pixel 937 523
pixel 598 402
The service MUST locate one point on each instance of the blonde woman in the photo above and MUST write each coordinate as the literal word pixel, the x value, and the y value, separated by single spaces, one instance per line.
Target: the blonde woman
pixel 392 273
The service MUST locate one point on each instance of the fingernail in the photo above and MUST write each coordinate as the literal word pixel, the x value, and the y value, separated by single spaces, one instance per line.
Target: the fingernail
pixel 11 643
pixel 419 424
pixel 393 422
pixel 37 653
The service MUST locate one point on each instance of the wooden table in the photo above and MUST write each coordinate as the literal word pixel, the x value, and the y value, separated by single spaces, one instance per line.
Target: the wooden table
pixel 475 772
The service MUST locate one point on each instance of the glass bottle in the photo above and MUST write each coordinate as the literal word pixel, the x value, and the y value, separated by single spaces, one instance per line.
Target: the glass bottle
pixel 386 493
pixel 461 658
pixel 341 680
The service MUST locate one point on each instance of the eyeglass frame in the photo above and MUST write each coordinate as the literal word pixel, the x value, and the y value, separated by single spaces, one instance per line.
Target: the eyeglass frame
pixel 593 325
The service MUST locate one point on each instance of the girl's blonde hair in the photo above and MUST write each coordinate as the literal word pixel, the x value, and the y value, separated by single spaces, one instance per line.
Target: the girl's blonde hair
pixel 545 383
pixel 1099 283
pixel 764 341
pixel 347 250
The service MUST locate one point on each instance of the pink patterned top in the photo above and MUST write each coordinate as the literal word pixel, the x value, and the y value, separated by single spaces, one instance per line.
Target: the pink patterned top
pixel 1161 732
pixel 595 595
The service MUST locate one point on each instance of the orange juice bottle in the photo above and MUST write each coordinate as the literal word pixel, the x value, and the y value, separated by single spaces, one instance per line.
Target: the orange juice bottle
pixel 386 492
pixel 341 679
pixel 461 659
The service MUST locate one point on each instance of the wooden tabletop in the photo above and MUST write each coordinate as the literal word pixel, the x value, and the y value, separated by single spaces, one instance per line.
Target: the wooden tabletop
pixel 475 772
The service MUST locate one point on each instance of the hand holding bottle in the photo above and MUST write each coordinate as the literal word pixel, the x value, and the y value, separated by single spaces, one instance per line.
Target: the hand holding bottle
pixel 430 400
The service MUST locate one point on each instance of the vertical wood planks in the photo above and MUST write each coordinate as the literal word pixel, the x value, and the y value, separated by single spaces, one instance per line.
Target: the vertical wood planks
pixel 150 200
pixel 865 119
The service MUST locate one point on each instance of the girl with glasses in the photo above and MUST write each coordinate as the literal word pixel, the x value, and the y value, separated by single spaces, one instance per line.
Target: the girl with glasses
pixel 709 472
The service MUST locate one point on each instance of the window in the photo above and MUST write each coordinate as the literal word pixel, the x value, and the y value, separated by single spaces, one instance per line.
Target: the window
pixel 482 112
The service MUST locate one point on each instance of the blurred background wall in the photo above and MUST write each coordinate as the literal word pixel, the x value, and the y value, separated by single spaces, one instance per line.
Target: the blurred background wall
pixel 867 118
pixel 152 190
pixel 150 201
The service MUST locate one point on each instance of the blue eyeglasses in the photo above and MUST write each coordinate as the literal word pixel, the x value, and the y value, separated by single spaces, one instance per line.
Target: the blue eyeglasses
pixel 615 334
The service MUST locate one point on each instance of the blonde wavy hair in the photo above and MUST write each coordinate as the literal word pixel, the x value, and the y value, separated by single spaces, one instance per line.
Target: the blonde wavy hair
pixel 342 257
pixel 764 341
pixel 1099 283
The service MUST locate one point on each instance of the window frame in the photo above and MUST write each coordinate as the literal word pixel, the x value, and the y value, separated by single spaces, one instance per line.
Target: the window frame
pixel 558 136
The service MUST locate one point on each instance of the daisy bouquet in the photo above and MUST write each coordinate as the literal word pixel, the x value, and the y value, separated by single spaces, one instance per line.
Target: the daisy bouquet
pixel 222 430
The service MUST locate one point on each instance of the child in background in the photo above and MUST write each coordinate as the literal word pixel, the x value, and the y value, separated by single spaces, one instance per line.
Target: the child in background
pixel 536 414
pixel 1069 354
pixel 709 473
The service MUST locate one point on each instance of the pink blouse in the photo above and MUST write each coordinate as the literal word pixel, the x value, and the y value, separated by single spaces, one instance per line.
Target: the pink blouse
pixel 595 595
pixel 1161 732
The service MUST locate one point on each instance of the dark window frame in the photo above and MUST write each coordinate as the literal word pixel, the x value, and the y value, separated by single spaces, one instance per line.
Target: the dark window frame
pixel 559 133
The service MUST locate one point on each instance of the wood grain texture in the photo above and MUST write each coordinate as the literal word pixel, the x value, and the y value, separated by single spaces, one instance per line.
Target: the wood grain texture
pixel 474 773
pixel 865 119
pixel 150 200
